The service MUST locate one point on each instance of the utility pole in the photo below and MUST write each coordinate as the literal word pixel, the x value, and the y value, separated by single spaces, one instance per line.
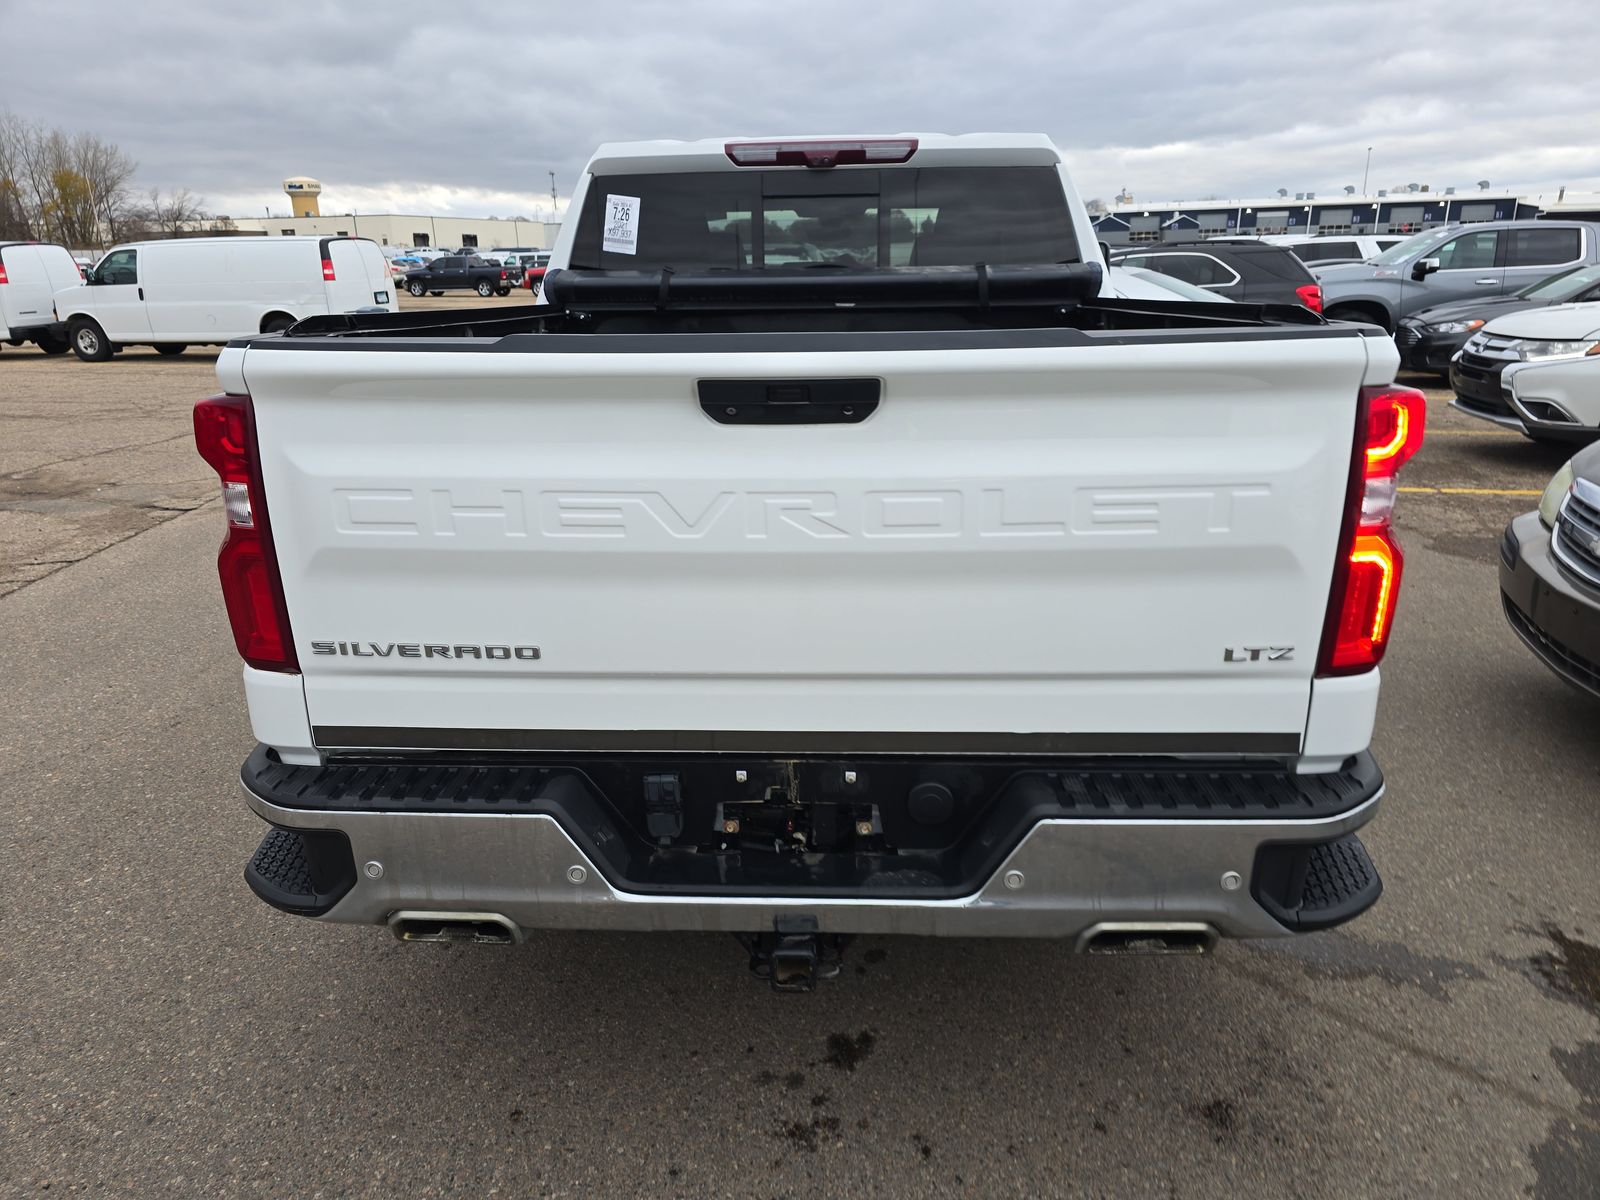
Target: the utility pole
pixel 552 195
pixel 1365 170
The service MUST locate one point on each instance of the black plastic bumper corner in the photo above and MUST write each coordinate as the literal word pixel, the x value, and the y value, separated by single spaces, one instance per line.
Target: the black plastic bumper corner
pixel 1316 886
pixel 305 872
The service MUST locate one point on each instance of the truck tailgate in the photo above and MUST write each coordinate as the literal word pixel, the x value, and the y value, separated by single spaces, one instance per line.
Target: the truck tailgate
pixel 1046 548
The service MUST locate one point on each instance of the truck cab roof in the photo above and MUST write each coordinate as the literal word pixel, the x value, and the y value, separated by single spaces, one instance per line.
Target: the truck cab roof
pixel 930 149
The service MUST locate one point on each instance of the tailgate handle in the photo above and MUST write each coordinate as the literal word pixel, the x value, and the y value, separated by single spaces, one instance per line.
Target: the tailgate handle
pixel 789 401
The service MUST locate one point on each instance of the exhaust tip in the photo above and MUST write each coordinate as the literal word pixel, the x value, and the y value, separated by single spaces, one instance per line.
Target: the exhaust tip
pixel 482 929
pixel 1148 938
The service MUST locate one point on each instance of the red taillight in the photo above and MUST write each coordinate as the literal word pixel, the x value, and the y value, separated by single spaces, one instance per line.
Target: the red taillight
pixel 1395 421
pixel 327 270
pixel 821 153
pixel 224 433
pixel 1366 575
pixel 1310 295
pixel 3 278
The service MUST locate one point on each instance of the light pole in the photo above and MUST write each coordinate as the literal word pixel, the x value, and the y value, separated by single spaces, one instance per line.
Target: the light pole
pixel 1364 171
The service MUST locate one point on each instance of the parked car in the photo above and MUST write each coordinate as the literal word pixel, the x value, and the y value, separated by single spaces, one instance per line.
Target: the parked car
pixel 1487 375
pixel 1550 574
pixel 1325 250
pixel 1457 262
pixel 459 271
pixel 508 254
pixel 1336 248
pixel 703 650
pixel 30 275
pixel 533 267
pixel 1137 283
pixel 1254 272
pixel 184 292
pixel 1429 339
pixel 1557 400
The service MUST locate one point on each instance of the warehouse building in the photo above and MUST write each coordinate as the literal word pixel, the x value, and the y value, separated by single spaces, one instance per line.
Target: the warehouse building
pixel 410 229
pixel 393 229
pixel 1401 211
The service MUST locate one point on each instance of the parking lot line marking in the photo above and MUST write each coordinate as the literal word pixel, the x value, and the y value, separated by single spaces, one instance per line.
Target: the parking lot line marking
pixel 1470 491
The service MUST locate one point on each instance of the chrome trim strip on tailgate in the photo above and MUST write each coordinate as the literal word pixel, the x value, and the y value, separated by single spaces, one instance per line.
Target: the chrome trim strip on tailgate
pixel 739 741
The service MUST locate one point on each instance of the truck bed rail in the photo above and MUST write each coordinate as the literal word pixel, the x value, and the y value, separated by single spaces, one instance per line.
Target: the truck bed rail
pixel 820 300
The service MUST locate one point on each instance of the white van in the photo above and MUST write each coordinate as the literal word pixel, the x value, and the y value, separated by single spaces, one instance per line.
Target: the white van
pixel 207 291
pixel 31 273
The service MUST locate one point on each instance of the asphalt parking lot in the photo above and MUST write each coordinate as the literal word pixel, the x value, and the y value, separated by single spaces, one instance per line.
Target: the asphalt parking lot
pixel 167 1034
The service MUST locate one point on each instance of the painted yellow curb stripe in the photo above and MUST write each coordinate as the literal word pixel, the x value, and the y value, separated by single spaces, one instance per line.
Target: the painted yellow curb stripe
pixel 1470 491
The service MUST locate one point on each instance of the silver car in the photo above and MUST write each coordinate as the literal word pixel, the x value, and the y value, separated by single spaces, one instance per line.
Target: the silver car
pixel 1458 262
pixel 1550 574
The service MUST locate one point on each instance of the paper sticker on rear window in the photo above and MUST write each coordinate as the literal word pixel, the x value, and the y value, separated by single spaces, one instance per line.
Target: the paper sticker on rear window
pixel 621 225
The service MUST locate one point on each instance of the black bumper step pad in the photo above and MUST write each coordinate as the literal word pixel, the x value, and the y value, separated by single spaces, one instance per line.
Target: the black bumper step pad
pixel 1107 788
pixel 300 871
pixel 1317 886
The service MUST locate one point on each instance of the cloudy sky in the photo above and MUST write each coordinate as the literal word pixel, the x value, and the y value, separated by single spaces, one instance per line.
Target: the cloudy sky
pixel 455 106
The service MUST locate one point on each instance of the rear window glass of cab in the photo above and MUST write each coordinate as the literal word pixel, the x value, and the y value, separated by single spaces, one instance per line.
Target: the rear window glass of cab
pixel 931 216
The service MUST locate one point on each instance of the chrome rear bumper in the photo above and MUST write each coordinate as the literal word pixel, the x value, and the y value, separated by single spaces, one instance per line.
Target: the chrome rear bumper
pixel 1065 877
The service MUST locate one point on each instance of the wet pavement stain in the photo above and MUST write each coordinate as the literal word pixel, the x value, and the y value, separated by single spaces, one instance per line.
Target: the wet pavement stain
pixel 1222 1115
pixel 1572 970
pixel 1567 1162
pixel 921 1143
pixel 808 1135
pixel 1340 956
pixel 846 1052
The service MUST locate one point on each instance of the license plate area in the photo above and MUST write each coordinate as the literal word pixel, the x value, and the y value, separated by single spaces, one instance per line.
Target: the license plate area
pixel 789 401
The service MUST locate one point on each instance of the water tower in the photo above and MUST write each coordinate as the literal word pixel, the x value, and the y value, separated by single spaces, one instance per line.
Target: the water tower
pixel 303 193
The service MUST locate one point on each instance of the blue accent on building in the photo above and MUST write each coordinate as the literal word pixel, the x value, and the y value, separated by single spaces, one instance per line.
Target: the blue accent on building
pixel 1402 212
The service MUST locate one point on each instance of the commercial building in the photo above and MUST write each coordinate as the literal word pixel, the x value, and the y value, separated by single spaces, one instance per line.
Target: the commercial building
pixel 406 229
pixel 1400 211
pixel 392 229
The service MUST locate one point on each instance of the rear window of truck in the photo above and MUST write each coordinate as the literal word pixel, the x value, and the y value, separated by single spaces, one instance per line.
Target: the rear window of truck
pixel 905 217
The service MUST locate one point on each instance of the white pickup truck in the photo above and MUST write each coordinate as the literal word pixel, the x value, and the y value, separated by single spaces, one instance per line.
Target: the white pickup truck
pixel 832 552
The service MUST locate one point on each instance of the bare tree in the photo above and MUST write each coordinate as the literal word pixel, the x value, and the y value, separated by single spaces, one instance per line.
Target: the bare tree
pixel 171 215
pixel 15 218
pixel 107 171
pixel 70 188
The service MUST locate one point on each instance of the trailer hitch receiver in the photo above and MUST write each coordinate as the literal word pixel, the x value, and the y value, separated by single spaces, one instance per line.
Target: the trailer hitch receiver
pixel 794 955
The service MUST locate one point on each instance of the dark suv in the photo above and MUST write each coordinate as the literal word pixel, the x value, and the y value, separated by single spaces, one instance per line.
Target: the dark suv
pixel 1253 272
